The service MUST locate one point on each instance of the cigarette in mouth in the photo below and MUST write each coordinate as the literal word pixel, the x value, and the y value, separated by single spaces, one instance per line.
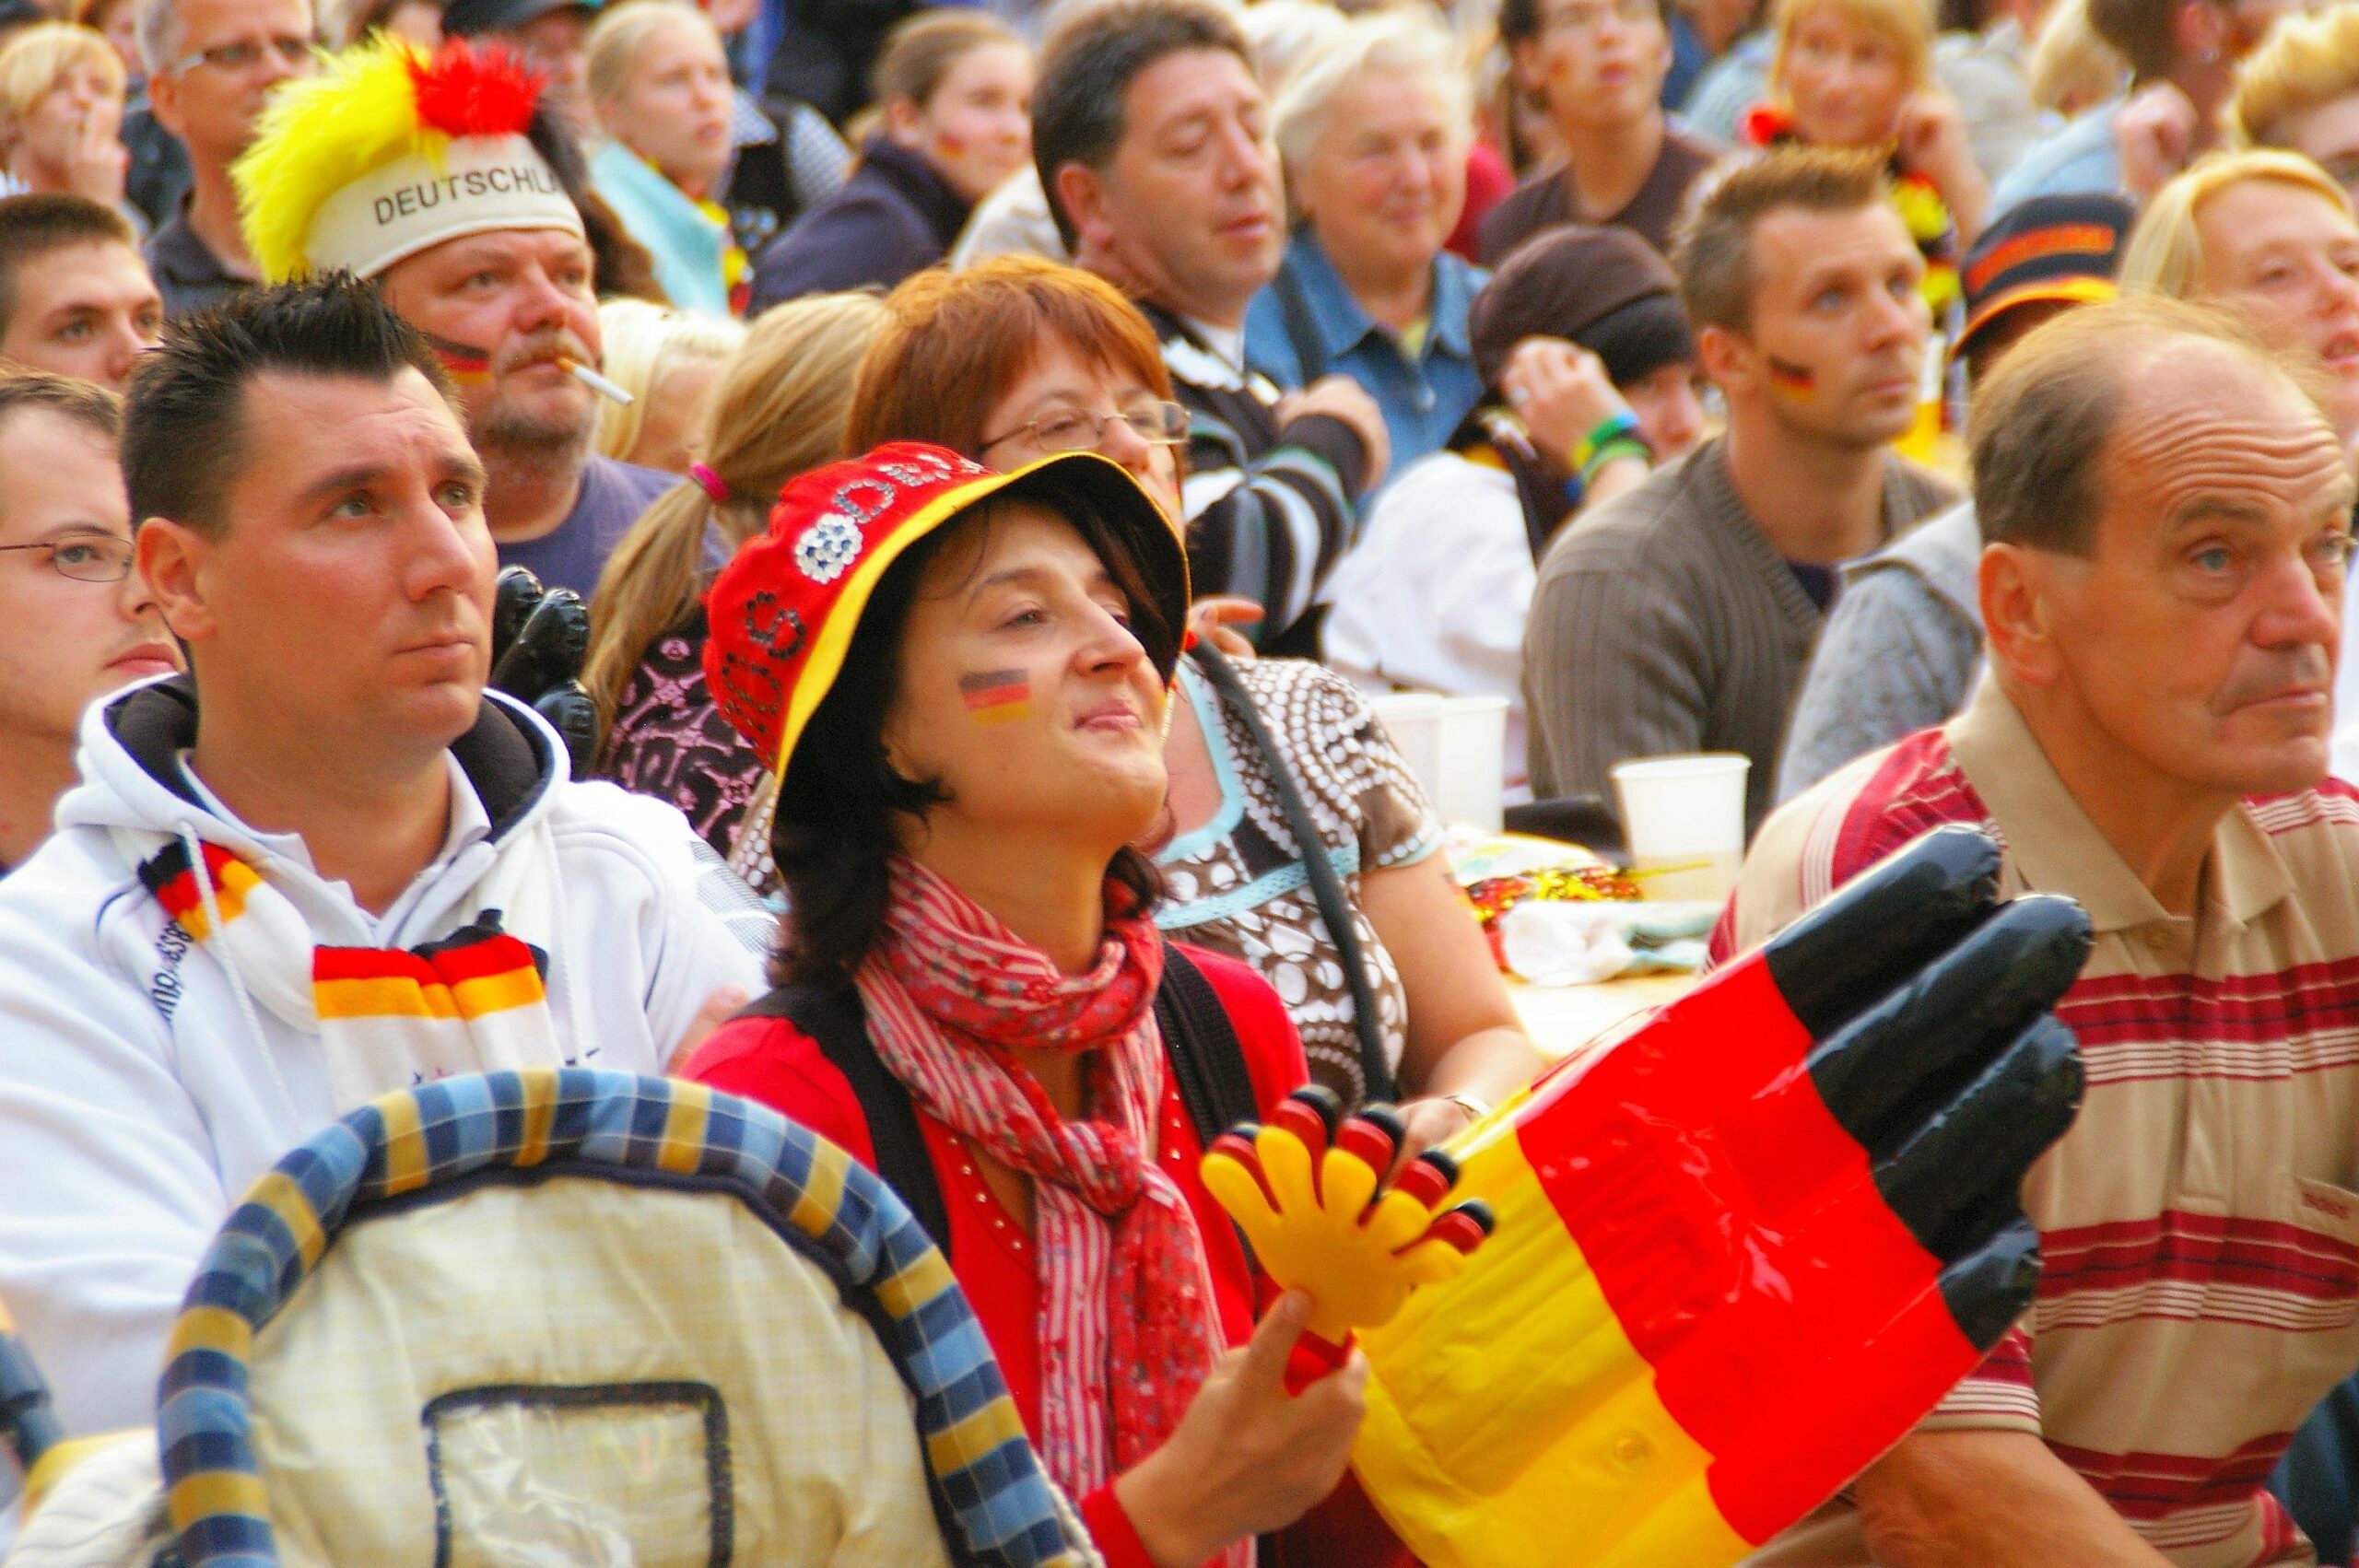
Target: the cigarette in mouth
pixel 594 382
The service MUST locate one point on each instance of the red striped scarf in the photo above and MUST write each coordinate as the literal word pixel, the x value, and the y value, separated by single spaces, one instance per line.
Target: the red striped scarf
pixel 1127 1329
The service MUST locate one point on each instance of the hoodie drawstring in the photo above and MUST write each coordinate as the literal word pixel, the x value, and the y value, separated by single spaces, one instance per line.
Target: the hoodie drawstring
pixel 221 951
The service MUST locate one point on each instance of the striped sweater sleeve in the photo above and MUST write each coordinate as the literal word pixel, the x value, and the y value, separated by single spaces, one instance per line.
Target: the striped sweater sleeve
pixel 1271 528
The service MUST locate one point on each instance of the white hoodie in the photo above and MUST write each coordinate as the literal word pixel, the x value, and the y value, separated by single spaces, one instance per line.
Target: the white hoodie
pixel 139 1093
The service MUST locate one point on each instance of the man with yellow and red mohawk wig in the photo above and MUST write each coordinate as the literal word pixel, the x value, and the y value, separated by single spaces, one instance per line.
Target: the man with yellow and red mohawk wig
pixel 446 180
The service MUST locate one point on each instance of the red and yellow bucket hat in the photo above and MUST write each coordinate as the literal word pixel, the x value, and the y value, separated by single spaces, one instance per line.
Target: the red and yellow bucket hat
pixel 782 613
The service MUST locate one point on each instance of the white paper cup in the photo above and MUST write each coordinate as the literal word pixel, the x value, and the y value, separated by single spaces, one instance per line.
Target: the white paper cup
pixel 1414 720
pixel 1684 819
pixel 1473 737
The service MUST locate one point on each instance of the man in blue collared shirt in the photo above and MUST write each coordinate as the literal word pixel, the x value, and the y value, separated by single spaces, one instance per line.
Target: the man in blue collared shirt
pixel 1374 134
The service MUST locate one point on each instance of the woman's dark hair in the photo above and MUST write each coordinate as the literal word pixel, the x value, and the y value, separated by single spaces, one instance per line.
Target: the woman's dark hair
pixel 840 802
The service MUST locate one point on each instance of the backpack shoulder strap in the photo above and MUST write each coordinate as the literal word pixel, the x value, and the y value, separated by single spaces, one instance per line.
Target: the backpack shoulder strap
pixel 833 1018
pixel 1207 1062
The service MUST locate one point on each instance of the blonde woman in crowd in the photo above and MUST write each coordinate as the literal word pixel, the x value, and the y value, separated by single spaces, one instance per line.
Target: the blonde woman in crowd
pixel 2268 234
pixel 777 411
pixel 61 115
pixel 2072 70
pixel 660 94
pixel 1858 73
pixel 2300 90
pixel 668 361
pixel 1374 131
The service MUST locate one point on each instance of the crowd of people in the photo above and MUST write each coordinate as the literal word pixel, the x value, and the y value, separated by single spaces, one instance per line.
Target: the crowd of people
pixel 1008 452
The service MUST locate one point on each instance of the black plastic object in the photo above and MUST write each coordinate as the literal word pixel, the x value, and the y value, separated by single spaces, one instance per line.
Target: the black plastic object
pixel 514 599
pixel 1585 820
pixel 26 1418
pixel 548 648
pixel 539 639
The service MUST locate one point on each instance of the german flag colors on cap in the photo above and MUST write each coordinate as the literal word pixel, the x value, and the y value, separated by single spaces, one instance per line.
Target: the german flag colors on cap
pixel 1743 1252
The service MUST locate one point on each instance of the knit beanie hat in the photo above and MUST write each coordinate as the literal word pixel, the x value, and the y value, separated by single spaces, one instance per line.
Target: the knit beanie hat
pixel 1605 288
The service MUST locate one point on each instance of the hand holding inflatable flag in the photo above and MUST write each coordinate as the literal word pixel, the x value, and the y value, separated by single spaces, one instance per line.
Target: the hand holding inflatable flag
pixel 1742 1252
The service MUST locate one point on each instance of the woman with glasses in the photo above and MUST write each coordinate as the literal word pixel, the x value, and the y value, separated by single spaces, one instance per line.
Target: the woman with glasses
pixel 1374 130
pixel 75 621
pixel 1018 357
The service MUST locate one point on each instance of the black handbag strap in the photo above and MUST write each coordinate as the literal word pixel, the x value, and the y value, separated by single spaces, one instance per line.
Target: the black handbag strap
pixel 1207 1067
pixel 1207 1064
pixel 1318 865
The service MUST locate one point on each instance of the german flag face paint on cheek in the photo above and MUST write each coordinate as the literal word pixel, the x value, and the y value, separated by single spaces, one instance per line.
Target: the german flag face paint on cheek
pixel 1794 380
pixel 996 696
pixel 466 365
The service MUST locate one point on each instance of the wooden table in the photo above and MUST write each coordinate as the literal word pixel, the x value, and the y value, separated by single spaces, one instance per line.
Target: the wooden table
pixel 1563 1018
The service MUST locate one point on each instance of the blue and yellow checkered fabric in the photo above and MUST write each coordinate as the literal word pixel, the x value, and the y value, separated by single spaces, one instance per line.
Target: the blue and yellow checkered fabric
pixel 983 1470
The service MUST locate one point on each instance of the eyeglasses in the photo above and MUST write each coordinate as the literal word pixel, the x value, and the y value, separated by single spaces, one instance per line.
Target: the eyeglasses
pixel 95 557
pixel 1078 431
pixel 294 52
pixel 1588 17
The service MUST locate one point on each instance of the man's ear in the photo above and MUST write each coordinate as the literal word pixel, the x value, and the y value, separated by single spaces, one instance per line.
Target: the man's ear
pixel 2015 586
pixel 164 100
pixel 2200 30
pixel 171 556
pixel 900 118
pixel 1080 195
pixel 1523 66
pixel 1727 361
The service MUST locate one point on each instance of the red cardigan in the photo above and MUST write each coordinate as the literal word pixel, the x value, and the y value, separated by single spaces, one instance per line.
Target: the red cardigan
pixel 771 1061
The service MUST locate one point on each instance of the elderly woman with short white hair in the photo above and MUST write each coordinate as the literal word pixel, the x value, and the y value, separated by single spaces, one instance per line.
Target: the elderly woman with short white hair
pixel 1374 130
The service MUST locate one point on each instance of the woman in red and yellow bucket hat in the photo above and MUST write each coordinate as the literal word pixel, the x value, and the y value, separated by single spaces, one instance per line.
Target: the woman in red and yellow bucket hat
pixel 963 678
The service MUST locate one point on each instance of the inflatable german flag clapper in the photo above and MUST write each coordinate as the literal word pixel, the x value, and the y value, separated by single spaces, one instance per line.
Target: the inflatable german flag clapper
pixel 1737 1254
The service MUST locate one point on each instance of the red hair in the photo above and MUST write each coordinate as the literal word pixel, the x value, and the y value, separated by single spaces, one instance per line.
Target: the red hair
pixel 951 344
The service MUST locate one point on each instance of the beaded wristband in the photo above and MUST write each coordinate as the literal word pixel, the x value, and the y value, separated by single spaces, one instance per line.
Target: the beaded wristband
pixel 1622 446
pixel 1612 427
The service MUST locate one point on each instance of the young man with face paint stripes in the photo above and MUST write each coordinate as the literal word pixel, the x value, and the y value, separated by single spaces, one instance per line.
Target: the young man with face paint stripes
pixel 1678 616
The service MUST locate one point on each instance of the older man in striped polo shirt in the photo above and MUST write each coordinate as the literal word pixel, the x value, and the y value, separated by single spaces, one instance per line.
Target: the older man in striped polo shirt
pixel 2166 513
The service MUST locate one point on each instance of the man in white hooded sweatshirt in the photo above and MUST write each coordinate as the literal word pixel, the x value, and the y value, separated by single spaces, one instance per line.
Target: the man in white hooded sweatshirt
pixel 326 864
